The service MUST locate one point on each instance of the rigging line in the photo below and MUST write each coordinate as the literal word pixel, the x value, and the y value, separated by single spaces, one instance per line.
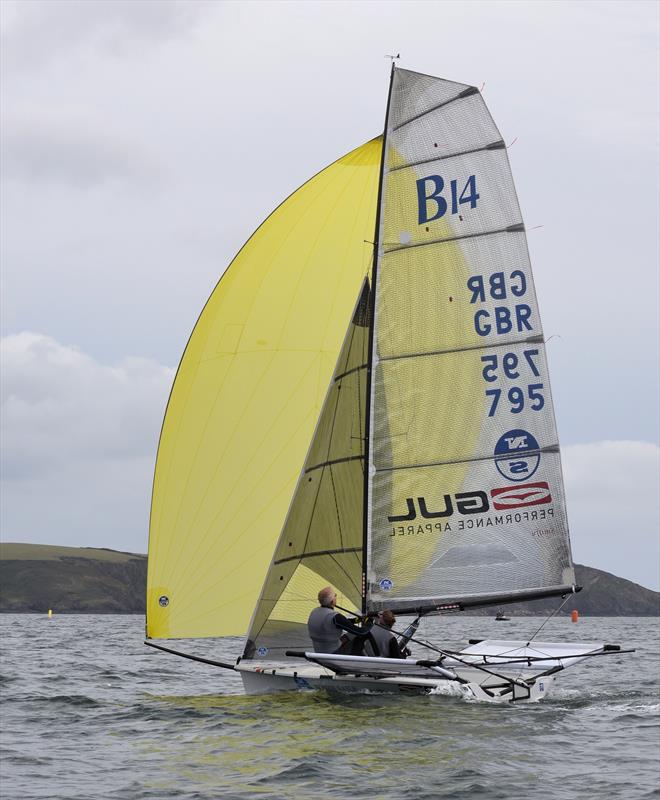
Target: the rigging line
pixel 348 575
pixel 315 553
pixel 333 461
pixel 536 339
pixel 547 619
pixel 350 372
pixel 517 227
pixel 447 654
pixel 222 664
pixel 468 92
pixel 529 660
pixel 444 653
pixel 352 327
pixel 499 145
pixel 334 495
pixel 551 448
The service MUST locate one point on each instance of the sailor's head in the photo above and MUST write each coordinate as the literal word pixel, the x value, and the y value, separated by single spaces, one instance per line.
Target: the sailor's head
pixel 328 597
pixel 387 618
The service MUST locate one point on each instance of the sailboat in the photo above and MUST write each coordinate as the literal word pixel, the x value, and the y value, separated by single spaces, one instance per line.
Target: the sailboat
pixel 364 402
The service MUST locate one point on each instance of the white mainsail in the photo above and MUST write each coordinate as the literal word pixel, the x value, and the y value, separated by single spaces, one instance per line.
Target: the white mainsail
pixel 465 493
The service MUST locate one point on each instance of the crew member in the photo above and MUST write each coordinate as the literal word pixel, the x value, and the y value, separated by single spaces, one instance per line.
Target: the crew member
pixel 386 642
pixel 325 626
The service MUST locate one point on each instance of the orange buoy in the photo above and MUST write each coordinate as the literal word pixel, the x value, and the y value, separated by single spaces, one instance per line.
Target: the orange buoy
pixel 574 615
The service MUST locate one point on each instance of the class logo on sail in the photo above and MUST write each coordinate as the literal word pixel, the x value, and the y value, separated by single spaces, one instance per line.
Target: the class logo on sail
pixel 517 455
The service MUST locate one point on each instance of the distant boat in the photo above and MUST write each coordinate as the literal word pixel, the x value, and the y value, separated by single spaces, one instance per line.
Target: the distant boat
pixel 368 382
pixel 501 617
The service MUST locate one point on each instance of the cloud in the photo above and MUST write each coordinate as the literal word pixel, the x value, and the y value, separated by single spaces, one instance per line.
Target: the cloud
pixel 71 147
pixel 613 507
pixel 37 33
pixel 79 441
pixel 59 405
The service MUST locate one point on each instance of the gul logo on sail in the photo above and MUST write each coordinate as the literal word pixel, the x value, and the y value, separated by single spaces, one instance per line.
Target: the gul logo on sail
pixel 530 494
pixel 477 502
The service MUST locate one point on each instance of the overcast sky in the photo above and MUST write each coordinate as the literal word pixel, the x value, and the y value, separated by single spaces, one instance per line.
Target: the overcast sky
pixel 144 141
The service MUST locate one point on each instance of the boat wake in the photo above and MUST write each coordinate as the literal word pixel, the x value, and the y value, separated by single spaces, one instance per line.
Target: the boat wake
pixel 457 690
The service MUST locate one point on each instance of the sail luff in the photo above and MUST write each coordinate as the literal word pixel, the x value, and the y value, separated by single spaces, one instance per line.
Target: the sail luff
pixel 366 525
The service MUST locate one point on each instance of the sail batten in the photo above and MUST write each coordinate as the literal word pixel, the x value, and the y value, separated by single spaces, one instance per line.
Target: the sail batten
pixel 467 92
pixel 515 228
pixel 552 448
pixel 498 145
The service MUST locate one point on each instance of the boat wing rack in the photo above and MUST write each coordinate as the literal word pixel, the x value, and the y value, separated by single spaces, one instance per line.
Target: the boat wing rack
pixel 375 667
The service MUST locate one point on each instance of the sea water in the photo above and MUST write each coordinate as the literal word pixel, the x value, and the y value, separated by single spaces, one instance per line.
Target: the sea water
pixel 89 712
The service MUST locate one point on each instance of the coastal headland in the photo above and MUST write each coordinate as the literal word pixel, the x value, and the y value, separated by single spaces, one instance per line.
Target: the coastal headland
pixel 90 580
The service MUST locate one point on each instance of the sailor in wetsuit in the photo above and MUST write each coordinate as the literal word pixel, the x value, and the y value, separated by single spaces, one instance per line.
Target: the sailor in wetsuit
pixel 386 642
pixel 325 626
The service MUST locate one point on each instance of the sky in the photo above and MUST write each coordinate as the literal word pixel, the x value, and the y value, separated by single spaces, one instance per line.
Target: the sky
pixel 144 141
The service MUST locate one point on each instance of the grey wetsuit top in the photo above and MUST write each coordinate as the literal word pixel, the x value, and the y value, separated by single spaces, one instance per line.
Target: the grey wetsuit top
pixel 386 642
pixel 323 632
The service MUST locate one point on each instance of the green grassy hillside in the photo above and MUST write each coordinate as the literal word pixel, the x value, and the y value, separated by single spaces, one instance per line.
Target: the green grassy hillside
pixel 90 580
pixel 36 577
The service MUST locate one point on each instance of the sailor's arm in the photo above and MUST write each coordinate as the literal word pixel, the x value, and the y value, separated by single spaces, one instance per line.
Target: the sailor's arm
pixel 341 622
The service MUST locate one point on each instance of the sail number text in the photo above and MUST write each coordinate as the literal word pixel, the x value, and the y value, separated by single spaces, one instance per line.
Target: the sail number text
pixel 501 319
pixel 511 366
pixel 432 204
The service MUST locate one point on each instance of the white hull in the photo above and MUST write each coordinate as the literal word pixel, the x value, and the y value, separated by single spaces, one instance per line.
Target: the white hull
pixel 310 678
pixel 493 671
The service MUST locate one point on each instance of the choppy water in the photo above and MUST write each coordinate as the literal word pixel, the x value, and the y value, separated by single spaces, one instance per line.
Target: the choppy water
pixel 89 712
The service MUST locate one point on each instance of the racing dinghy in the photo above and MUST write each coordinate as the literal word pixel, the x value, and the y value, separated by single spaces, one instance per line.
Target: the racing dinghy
pixel 365 402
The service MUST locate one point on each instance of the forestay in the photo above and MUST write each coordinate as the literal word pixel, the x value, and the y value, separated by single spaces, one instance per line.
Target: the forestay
pixel 465 494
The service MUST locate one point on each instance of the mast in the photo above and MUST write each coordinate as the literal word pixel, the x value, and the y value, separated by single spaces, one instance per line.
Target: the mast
pixel 372 318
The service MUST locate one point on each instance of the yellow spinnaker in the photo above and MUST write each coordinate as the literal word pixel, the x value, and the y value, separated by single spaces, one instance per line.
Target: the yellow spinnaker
pixel 247 396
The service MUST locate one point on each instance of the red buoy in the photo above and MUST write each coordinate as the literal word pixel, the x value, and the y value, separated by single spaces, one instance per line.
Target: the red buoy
pixel 574 615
